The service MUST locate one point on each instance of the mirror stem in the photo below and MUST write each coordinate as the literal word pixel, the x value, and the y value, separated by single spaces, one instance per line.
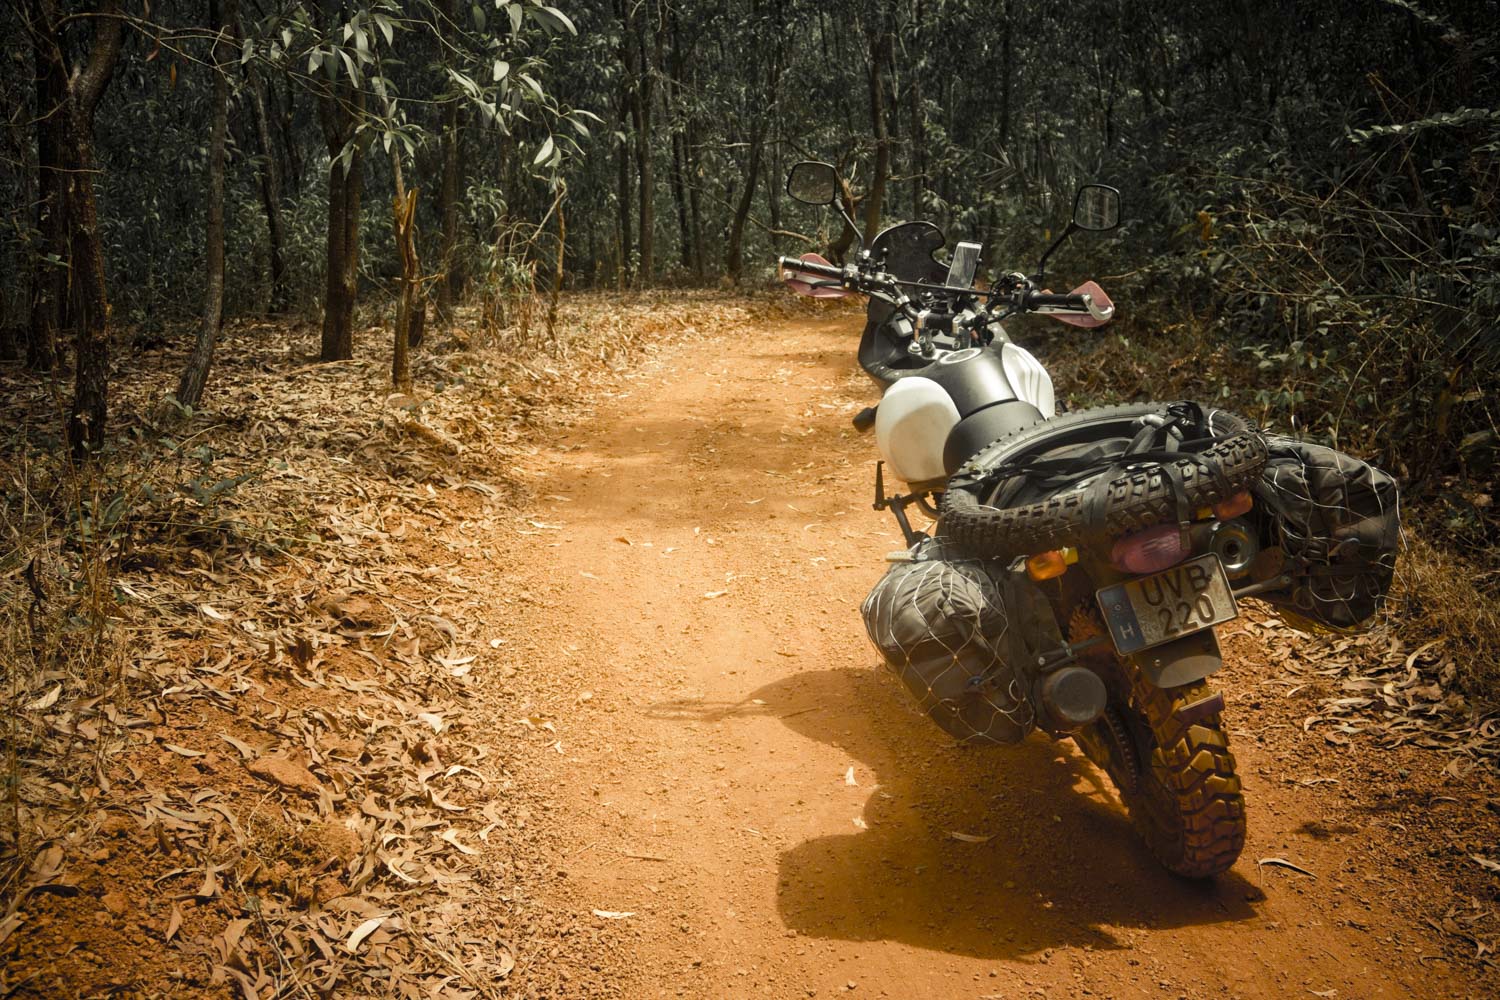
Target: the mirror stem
pixel 1041 265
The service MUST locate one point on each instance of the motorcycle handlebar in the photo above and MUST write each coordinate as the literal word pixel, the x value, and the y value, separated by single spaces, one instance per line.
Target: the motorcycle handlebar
pixel 810 267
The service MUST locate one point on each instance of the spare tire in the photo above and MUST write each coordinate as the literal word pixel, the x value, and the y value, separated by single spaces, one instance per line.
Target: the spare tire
pixel 1138 496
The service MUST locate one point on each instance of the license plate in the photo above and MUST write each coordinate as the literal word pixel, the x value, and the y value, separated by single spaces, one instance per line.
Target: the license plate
pixel 1167 605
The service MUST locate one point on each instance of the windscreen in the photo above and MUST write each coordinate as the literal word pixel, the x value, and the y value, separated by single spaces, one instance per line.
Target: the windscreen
pixel 907 251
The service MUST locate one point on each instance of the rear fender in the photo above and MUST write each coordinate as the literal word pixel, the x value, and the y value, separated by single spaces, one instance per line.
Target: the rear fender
pixel 1181 661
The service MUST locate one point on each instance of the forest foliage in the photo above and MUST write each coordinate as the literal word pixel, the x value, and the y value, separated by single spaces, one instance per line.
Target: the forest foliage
pixel 1310 191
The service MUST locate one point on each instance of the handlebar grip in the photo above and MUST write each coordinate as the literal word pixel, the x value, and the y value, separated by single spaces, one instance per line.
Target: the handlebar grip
pixel 810 267
pixel 1044 300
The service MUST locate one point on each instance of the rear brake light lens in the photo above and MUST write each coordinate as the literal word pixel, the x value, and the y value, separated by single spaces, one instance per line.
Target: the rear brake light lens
pixel 1236 505
pixel 1150 551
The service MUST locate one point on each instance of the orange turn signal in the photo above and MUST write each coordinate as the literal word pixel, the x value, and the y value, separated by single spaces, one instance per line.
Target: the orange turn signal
pixel 1236 505
pixel 1046 565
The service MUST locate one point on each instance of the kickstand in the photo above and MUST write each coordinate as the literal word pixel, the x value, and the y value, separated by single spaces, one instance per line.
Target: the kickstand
pixel 897 505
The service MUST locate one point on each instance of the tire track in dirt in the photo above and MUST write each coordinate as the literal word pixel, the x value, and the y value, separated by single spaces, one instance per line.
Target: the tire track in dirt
pixel 704 543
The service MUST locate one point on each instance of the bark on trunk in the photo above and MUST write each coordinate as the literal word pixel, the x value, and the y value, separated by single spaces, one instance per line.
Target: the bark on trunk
pixel 269 173
pixel 449 283
pixel 677 114
pixel 195 372
pixel 635 55
pixel 733 257
pixel 81 92
pixel 49 272
pixel 880 46
pixel 412 305
pixel 622 196
pixel 344 190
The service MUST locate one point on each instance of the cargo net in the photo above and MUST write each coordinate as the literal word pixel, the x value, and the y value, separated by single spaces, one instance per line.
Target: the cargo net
pixel 1338 521
pixel 948 625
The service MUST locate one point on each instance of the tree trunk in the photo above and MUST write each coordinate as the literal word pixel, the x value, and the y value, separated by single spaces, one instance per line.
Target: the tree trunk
pixel 411 306
pixel 195 372
pixel 677 115
pixel 81 92
pixel 637 60
pixel 1007 71
pixel 49 270
pixel 557 270
pixel 344 189
pixel 733 257
pixel 622 195
pixel 449 284
pixel 880 46
pixel 269 172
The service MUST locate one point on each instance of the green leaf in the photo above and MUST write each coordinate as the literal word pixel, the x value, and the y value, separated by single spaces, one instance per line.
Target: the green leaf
pixel 384 24
pixel 479 18
pixel 544 153
pixel 501 69
pixel 515 12
pixel 553 20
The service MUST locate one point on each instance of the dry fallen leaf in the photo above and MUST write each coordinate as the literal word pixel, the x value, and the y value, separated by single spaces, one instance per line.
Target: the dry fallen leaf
pixel 451 836
pixel 849 777
pixel 363 931
pixel 970 838
pixel 614 914
pixel 46 701
pixel 1284 863
pixel 714 593
pixel 173 923
pixel 245 749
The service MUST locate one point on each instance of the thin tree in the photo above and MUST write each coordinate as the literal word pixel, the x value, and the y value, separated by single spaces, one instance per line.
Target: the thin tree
pixel 195 372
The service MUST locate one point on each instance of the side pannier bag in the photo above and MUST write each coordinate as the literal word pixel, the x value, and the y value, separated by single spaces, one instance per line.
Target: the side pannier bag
pixel 951 628
pixel 1338 521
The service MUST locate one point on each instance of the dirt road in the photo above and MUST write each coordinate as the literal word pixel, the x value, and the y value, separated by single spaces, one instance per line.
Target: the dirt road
pixel 730 767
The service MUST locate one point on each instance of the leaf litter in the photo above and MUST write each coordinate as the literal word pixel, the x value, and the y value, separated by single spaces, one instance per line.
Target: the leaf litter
pixel 290 791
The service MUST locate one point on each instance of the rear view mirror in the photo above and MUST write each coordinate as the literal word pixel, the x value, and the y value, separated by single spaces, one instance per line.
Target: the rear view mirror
pixel 1096 208
pixel 813 183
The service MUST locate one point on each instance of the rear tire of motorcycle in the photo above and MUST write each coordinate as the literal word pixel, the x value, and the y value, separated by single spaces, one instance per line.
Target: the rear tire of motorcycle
pixel 1133 500
pixel 1188 805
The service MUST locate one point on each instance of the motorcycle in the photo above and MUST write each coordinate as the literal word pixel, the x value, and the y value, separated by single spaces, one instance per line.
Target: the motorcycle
pixel 1108 543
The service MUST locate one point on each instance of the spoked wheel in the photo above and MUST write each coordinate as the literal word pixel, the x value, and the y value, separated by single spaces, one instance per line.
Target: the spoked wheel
pixel 1172 764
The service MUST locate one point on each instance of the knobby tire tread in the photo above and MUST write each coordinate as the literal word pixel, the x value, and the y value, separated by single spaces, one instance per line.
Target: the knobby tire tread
pixel 1193 819
pixel 1134 500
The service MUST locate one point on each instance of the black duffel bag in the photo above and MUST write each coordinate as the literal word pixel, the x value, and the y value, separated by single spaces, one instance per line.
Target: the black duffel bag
pixel 1338 521
pixel 962 633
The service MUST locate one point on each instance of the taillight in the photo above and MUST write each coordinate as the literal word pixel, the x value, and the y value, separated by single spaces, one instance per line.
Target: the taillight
pixel 1150 551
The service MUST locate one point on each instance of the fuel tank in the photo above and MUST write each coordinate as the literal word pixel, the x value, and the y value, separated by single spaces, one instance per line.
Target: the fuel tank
pixel 928 424
pixel 911 425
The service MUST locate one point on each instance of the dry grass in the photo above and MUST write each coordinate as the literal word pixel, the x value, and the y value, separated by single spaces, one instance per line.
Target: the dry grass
pixel 1438 600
